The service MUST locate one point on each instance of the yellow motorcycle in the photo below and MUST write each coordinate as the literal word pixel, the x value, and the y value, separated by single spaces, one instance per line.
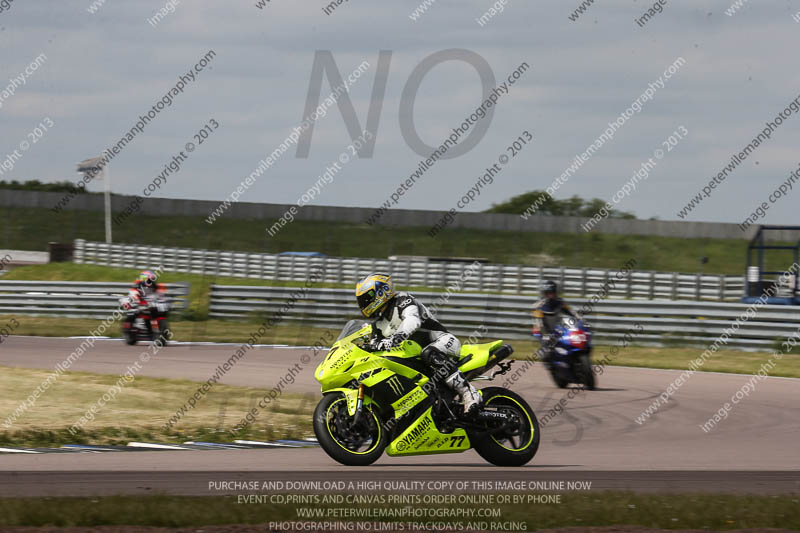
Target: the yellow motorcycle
pixel 375 401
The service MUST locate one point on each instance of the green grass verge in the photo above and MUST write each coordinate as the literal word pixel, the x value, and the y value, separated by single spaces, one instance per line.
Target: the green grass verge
pixel 606 508
pixel 183 330
pixel 678 358
pixel 33 228
pixel 140 410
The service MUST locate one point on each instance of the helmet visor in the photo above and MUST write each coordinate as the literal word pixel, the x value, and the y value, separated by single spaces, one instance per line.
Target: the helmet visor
pixel 366 298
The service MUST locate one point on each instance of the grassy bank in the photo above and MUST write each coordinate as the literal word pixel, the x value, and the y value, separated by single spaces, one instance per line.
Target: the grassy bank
pixel 183 330
pixel 666 511
pixel 140 410
pixel 32 229
pixel 678 358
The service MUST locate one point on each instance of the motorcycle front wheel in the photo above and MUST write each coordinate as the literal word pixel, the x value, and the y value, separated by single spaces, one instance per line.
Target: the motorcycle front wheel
pixel 583 369
pixel 129 335
pixel 346 442
pixel 164 333
pixel 560 382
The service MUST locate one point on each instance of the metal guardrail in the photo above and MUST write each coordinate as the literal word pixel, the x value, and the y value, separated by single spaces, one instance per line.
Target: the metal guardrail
pixel 73 298
pixel 512 279
pixel 508 316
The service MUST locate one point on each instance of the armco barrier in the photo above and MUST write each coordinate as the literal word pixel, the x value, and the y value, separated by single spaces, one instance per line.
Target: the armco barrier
pixel 508 316
pixel 73 298
pixel 514 279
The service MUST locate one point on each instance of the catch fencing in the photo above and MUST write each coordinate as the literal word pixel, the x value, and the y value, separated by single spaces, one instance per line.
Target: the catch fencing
pixel 73 299
pixel 509 316
pixel 410 273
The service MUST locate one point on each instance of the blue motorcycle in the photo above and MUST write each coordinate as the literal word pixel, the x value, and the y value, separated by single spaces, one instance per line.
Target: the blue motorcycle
pixel 570 358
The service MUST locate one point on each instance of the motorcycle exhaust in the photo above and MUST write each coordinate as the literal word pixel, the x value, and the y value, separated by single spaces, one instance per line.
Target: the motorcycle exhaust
pixel 495 359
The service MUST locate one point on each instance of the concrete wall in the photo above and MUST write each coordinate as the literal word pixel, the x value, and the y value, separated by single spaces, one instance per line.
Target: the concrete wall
pixel 268 213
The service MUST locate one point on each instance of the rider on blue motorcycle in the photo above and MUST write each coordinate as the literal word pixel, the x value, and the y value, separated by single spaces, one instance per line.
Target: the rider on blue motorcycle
pixel 547 314
pixel 399 316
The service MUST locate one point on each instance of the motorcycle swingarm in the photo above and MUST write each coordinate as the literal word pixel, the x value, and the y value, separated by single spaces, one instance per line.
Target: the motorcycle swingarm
pixel 481 432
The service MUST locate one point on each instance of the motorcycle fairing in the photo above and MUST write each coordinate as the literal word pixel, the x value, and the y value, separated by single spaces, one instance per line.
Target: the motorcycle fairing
pixel 424 438
pixel 480 355
pixel 352 398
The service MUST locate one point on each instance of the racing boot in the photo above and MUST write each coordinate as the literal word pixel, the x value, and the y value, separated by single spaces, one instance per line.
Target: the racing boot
pixel 469 395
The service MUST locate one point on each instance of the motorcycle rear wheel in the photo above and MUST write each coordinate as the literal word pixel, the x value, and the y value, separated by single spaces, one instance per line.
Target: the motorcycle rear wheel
pixel 514 446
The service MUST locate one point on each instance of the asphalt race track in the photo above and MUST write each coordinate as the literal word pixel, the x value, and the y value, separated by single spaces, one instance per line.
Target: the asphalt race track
pixel 596 437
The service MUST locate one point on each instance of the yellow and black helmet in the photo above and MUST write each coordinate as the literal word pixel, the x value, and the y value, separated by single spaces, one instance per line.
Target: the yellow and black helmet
pixel 373 292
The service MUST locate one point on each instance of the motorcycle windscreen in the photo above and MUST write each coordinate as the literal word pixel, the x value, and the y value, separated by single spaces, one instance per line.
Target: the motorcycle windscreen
pixel 351 327
pixel 569 322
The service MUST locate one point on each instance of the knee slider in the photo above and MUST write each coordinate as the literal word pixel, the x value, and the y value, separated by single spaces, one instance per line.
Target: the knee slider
pixel 433 357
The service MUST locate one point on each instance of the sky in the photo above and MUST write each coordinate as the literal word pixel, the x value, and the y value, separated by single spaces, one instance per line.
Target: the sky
pixel 106 65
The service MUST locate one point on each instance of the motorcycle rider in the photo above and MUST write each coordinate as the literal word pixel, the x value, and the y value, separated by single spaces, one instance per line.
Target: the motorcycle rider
pixel 399 316
pixel 546 315
pixel 148 293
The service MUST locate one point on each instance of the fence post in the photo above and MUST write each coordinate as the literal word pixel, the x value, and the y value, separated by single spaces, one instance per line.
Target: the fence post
pixel 697 286
pixel 79 250
pixel 628 285
pixel 674 285
pixel 722 281
pixel 501 279
pixel 583 282
pixel 652 285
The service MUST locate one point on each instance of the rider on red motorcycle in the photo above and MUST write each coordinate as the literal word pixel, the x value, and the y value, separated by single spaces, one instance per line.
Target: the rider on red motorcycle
pixel 148 294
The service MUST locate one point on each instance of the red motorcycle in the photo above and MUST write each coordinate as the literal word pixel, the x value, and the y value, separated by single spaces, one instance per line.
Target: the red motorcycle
pixel 145 321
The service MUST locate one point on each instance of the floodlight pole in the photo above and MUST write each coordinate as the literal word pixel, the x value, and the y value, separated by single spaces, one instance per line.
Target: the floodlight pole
pixel 96 165
pixel 107 180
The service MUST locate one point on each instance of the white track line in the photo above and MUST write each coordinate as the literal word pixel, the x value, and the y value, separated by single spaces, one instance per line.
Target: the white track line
pixel 266 444
pixel 16 450
pixel 155 446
